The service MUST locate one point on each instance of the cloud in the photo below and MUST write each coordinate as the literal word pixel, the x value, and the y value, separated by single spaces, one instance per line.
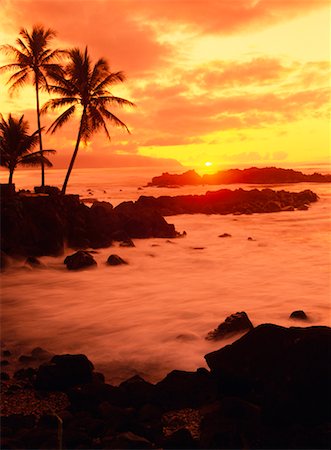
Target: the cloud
pixel 227 17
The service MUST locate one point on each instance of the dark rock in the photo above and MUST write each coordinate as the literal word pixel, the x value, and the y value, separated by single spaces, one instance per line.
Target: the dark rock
pixel 63 372
pixel 138 390
pixel 37 225
pixel 41 354
pixel 88 396
pixel 235 323
pixel 298 315
pixel 230 423
pixel 25 374
pixel 115 260
pixel 181 438
pixel 127 243
pixel 224 235
pixel 185 389
pixel 120 235
pixel 79 260
pixel 253 175
pixel 4 376
pixel 4 362
pixel 26 359
pixel 18 421
pixel 6 353
pixel 285 370
pixel 33 261
pixel 130 441
pixel 226 201
pixel 118 419
pixel 50 190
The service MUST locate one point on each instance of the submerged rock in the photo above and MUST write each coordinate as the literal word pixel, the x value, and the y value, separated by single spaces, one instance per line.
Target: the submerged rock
pixel 233 324
pixel 115 260
pixel 298 315
pixel 79 260
pixel 127 243
pixel 225 235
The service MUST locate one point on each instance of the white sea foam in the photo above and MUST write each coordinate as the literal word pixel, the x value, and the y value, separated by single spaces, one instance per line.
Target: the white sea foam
pixel 152 315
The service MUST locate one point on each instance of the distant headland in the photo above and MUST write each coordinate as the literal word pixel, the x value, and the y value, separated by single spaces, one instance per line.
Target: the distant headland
pixel 253 175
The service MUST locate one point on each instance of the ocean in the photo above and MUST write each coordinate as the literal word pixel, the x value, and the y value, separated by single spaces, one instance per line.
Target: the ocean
pixel 152 316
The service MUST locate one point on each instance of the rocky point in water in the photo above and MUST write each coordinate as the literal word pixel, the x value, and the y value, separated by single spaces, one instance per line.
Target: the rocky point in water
pixel 226 201
pixel 253 175
pixel 41 224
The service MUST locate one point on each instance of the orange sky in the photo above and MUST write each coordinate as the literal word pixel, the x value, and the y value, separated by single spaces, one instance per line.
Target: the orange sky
pixel 229 82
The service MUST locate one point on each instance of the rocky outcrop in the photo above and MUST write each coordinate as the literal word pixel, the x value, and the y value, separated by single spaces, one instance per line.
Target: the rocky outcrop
pixel 37 225
pixel 79 260
pixel 236 323
pixel 253 175
pixel 226 201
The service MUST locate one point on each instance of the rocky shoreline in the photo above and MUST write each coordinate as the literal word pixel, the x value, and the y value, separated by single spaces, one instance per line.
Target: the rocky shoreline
pixel 44 224
pixel 253 175
pixel 269 389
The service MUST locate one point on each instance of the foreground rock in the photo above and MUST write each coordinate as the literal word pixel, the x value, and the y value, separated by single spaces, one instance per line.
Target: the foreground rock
pixel 63 372
pixel 226 201
pixel 253 175
pixel 269 389
pixel 37 225
pixel 233 324
pixel 284 370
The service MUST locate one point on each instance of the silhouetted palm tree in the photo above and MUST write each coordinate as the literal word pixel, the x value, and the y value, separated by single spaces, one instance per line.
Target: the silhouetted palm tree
pixel 33 57
pixel 85 87
pixel 16 145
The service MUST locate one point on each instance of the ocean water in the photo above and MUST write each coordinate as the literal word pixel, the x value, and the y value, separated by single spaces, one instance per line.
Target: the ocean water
pixel 152 316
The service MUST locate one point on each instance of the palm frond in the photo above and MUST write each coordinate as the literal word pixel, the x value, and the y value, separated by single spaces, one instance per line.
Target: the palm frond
pixel 112 118
pixel 62 119
pixel 34 160
pixel 20 82
pixel 112 78
pixel 55 103
pixel 112 100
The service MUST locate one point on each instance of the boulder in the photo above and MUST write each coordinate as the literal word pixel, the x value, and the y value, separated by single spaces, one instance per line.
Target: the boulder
pixel 79 260
pixel 63 372
pixel 138 390
pixel 115 260
pixel 127 243
pixel 181 389
pixel 235 323
pixel 298 315
pixel 285 370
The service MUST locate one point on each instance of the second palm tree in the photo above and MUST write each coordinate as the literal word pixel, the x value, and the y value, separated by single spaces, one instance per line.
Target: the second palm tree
pixel 86 87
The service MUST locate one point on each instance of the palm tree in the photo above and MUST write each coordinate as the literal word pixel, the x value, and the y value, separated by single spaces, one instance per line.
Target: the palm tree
pixel 86 88
pixel 16 145
pixel 33 57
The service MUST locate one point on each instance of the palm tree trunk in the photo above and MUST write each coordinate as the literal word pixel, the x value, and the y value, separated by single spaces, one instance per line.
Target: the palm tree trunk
pixel 39 132
pixel 71 165
pixel 11 173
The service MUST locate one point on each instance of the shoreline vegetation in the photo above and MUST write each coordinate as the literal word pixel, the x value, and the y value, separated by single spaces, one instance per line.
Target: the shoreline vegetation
pixel 268 389
pixel 253 175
